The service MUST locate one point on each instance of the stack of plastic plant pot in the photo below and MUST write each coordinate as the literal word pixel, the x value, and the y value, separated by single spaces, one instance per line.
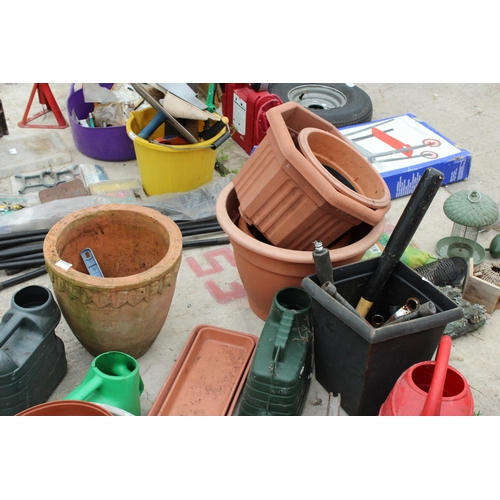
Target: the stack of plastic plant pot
pixel 305 182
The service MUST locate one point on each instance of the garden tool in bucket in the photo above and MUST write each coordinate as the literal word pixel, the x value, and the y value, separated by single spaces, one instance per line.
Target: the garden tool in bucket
pixel 113 379
pixel 401 236
pixel 431 388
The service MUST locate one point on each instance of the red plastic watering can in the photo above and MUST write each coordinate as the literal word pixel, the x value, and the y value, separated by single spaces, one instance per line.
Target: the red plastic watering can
pixel 431 388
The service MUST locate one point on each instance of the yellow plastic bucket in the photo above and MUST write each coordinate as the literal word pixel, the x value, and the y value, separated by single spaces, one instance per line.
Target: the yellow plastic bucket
pixel 170 169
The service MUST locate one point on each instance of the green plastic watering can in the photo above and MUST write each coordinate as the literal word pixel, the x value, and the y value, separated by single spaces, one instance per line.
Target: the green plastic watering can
pixel 113 379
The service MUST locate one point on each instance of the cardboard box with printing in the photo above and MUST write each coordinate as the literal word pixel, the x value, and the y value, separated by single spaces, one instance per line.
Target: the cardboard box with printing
pixel 401 148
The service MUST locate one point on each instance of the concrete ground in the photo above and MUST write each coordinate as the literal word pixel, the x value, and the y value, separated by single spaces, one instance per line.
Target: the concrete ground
pixel 468 114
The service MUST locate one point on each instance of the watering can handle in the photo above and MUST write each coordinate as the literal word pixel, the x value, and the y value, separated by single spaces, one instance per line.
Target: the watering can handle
pixel 432 406
pixel 282 336
pixel 8 328
pixel 7 364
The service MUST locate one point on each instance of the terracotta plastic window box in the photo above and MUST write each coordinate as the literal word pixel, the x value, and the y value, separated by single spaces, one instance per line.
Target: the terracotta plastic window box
pixel 209 374
pixel 294 201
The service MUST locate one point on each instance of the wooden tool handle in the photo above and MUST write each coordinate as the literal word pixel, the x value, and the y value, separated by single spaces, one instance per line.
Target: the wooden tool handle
pixel 401 236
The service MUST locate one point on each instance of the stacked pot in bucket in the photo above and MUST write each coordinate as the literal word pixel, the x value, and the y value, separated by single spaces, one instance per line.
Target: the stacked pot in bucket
pixel 304 182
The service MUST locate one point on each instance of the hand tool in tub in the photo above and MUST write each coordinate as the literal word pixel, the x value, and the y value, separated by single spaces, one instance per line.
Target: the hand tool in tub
pixel 401 236
pixel 156 105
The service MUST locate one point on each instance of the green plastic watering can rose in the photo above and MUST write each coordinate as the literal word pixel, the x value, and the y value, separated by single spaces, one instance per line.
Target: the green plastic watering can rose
pixel 113 379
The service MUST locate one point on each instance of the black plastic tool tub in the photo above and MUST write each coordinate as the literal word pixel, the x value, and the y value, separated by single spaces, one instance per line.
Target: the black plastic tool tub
pixel 358 361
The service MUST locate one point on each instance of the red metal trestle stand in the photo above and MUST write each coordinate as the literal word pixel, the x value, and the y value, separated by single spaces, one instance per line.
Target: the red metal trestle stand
pixel 47 100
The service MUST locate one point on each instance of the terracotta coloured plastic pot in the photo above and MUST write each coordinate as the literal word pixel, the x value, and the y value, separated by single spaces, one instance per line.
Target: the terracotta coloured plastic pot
pixel 264 269
pixel 344 167
pixel 66 409
pixel 293 201
pixel 253 232
pixel 139 251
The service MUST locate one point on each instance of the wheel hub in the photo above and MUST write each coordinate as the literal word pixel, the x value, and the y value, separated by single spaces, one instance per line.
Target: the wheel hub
pixel 317 96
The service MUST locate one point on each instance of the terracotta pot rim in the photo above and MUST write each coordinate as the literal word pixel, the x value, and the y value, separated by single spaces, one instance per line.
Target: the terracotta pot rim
pixel 87 406
pixel 303 139
pixel 273 252
pixel 121 283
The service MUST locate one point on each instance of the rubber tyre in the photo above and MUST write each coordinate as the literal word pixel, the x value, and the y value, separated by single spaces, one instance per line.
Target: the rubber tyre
pixel 341 104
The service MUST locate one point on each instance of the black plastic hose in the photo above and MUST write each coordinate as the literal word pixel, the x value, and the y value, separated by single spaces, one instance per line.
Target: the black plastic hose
pixel 24 277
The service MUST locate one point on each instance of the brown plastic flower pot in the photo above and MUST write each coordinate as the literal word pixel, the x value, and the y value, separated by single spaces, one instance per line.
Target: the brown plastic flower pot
pixel 293 201
pixel 264 269
pixel 66 409
pixel 348 170
pixel 253 232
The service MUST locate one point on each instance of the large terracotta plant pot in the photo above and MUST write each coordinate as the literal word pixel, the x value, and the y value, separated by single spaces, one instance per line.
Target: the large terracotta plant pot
pixel 139 252
pixel 264 268
pixel 292 200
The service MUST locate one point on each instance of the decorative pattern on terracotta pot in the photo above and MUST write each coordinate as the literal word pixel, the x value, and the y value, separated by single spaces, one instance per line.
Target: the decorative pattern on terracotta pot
pixel 116 299
pixel 139 251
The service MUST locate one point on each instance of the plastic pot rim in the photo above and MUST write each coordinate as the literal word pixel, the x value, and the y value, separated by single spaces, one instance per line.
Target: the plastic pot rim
pixel 182 148
pixel 291 256
pixel 93 283
pixel 303 139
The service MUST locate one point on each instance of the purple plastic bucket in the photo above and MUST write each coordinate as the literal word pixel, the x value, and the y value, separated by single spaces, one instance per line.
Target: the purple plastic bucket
pixel 101 143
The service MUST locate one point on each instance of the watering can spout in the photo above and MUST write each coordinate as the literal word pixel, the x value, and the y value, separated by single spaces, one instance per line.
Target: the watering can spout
pixel 84 390
pixel 432 406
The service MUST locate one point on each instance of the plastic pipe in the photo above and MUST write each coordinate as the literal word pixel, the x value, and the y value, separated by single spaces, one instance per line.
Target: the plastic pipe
pixel 14 264
pixel 20 241
pixel 331 289
pixel 156 105
pixel 157 120
pixel 197 226
pixel 21 250
pixel 426 309
pixel 24 277
pixel 22 234
pixel 205 243
pixel 36 255
pixel 196 223
pixel 202 230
